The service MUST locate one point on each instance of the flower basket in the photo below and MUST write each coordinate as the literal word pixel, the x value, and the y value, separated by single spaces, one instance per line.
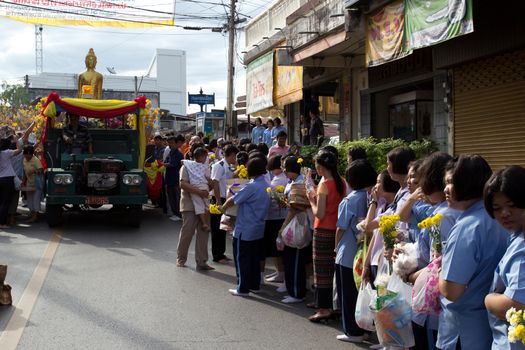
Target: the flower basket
pixel 234 186
pixel 298 195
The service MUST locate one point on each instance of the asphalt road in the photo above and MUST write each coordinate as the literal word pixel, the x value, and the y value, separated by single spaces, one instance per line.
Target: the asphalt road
pixel 112 287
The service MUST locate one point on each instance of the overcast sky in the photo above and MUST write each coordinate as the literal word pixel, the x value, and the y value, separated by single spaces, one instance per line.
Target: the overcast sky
pixel 130 51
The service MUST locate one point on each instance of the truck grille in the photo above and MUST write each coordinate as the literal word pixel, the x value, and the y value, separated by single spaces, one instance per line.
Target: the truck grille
pixel 102 181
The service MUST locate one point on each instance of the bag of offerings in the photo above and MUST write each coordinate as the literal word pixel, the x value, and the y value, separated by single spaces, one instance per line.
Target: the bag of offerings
pixel 393 321
pixel 297 233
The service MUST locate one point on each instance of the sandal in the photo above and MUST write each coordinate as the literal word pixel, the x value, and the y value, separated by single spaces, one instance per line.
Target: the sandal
pixel 317 317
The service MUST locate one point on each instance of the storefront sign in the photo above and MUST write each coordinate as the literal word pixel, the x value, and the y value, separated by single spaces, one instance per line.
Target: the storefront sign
pixel 288 85
pixel 431 22
pixel 109 13
pixel 259 84
pixel 384 35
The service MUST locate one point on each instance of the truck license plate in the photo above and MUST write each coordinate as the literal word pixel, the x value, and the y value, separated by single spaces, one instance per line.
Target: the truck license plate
pixel 97 200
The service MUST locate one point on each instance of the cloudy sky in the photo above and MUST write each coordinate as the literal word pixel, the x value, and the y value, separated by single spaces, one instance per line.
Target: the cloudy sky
pixel 130 51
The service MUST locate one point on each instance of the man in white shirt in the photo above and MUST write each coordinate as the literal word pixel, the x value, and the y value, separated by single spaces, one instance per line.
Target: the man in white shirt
pixel 220 172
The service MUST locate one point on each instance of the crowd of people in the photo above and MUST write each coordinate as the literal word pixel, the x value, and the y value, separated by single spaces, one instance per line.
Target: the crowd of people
pixel 478 216
pixel 479 249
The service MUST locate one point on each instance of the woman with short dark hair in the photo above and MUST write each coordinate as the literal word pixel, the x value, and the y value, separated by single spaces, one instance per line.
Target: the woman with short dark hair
pixel 505 201
pixel 274 220
pixel 473 249
pixel 361 177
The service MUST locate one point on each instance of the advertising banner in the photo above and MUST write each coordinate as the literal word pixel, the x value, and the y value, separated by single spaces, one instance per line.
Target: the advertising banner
pixel 107 13
pixel 431 22
pixel 259 84
pixel 384 35
pixel 288 85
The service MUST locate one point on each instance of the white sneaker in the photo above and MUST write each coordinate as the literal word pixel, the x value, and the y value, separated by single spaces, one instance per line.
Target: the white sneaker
pixel 175 218
pixel 291 300
pixel 278 278
pixel 377 347
pixel 271 275
pixel 352 338
pixel 281 288
pixel 238 294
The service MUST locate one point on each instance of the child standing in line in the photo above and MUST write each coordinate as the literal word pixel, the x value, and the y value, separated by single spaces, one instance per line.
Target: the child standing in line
pixel 248 236
pixel 361 177
pixel 199 174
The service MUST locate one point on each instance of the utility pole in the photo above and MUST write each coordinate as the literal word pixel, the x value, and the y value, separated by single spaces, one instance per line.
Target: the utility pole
pixel 231 124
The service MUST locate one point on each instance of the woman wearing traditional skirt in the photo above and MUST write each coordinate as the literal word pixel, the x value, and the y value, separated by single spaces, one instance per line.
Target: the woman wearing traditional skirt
pixel 325 202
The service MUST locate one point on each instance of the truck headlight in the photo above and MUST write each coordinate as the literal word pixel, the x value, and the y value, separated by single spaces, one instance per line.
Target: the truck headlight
pixel 63 179
pixel 131 180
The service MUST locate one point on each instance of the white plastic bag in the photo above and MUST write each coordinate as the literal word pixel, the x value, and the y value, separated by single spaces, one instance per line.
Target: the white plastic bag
pixel 396 284
pixel 364 317
pixel 297 233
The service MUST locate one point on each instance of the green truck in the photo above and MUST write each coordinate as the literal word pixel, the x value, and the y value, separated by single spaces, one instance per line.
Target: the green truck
pixel 112 175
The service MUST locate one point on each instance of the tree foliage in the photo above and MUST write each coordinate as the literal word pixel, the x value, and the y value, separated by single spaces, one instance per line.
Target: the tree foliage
pixel 14 96
pixel 376 151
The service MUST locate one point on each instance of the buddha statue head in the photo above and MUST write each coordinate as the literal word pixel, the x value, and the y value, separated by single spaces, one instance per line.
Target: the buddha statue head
pixel 91 59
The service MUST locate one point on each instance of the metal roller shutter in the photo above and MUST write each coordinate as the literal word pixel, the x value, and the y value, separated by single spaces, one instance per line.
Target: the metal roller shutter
pixel 489 109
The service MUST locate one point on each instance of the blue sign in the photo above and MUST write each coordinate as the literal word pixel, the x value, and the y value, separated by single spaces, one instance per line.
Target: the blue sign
pixel 200 99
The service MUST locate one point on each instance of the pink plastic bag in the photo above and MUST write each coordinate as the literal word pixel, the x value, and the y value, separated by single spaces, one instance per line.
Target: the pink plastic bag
pixel 425 295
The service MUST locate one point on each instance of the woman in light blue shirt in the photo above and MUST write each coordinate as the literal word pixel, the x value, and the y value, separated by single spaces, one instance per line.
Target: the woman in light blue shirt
pixel 248 235
pixel 361 177
pixel 258 131
pixel 268 133
pixel 278 128
pixel 431 173
pixel 505 201
pixel 474 248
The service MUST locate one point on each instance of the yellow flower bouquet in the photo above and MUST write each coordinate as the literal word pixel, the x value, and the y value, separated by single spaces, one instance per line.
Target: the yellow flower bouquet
pixel 241 172
pixel 432 224
pixel 277 195
pixel 387 228
pixel 516 319
pixel 215 209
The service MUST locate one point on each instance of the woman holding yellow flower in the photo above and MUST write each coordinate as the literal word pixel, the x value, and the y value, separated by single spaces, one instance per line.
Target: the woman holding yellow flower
pixel 274 220
pixel 505 201
pixel 294 259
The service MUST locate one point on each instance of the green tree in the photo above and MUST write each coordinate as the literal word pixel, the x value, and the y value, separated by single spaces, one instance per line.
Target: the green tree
pixel 14 96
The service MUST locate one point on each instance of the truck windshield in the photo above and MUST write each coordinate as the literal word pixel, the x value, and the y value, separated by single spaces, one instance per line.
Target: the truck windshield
pixel 124 122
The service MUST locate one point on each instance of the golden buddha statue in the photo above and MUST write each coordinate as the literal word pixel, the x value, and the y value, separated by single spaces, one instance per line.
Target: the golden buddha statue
pixel 90 81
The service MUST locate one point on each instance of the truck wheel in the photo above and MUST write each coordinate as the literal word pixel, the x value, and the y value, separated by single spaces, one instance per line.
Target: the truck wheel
pixel 54 215
pixel 135 216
